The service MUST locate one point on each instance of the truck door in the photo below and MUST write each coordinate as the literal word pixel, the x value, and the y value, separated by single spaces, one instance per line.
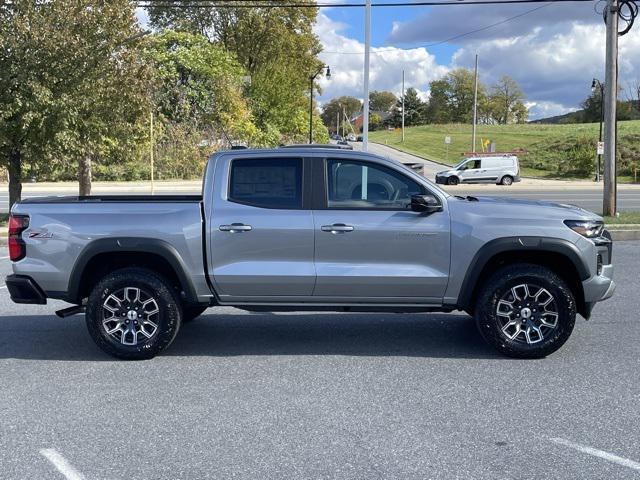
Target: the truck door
pixel 369 244
pixel 261 229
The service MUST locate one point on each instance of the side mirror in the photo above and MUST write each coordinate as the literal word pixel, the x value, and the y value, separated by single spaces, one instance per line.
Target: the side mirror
pixel 425 204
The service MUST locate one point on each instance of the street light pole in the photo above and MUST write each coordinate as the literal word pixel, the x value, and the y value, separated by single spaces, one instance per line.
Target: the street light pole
pixel 312 79
pixel 367 51
pixel 598 84
pixel 403 105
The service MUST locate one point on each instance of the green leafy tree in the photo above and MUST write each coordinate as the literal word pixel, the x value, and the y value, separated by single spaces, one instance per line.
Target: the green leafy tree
pixel 67 84
pixel 437 109
pixel 375 122
pixel 198 99
pixel 335 108
pixel 506 98
pixel 276 47
pixel 382 101
pixel 451 97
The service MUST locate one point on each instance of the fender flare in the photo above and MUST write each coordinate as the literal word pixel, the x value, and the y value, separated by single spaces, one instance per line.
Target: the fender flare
pixel 517 244
pixel 126 245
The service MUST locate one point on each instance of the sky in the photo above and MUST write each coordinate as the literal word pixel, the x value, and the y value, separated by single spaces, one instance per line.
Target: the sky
pixel 553 50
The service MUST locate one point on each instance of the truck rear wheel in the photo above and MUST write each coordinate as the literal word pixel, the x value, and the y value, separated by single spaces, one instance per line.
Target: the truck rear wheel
pixel 133 314
pixel 525 311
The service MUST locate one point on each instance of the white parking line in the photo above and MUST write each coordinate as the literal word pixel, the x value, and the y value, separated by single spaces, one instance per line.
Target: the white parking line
pixel 2 286
pixel 61 464
pixel 625 462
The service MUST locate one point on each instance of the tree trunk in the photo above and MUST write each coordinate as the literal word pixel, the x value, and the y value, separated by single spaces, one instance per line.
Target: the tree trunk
pixel 84 176
pixel 15 176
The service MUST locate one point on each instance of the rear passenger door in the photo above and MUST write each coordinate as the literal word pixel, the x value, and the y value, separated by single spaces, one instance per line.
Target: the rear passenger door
pixel 261 228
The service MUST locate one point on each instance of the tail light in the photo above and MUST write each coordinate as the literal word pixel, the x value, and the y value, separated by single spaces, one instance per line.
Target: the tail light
pixel 17 248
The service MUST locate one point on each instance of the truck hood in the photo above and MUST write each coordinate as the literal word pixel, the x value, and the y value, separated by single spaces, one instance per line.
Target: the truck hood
pixel 530 208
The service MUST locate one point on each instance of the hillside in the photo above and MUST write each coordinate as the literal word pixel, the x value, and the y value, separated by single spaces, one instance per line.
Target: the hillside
pixel 578 115
pixel 564 150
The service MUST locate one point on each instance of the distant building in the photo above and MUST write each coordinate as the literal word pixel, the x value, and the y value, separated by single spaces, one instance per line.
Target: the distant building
pixel 359 119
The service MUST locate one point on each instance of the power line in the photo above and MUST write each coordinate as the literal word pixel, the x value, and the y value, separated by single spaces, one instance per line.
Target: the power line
pixel 455 37
pixel 284 4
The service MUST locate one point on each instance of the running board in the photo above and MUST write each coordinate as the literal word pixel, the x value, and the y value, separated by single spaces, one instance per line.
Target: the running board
pixel 67 312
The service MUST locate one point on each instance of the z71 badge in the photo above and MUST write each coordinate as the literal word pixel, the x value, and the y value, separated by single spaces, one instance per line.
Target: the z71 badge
pixel 41 235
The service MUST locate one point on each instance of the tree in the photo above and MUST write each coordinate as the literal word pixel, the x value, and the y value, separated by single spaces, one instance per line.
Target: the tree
pixel 381 101
pixel 451 97
pixel 335 107
pixel 197 98
pixel 591 107
pixel 56 64
pixel 437 109
pixel 461 84
pixel 414 109
pixel 375 122
pixel 507 98
pixel 276 47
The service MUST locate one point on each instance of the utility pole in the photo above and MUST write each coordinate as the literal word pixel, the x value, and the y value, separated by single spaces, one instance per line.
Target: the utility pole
pixel 403 105
pixel 151 151
pixel 367 52
pixel 611 96
pixel 475 109
pixel 338 121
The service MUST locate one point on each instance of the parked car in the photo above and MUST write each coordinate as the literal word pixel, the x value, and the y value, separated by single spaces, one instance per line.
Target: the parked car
pixel 503 170
pixel 351 137
pixel 305 229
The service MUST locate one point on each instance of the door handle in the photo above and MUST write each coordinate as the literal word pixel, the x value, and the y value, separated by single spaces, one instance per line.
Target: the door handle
pixel 337 228
pixel 235 228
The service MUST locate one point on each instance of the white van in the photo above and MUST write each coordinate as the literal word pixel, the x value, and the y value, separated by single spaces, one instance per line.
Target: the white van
pixel 503 170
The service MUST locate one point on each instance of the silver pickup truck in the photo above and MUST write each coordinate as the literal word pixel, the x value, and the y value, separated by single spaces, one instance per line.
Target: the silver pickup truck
pixel 310 229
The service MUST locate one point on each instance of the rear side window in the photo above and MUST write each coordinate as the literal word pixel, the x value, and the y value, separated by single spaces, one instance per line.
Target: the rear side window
pixel 267 183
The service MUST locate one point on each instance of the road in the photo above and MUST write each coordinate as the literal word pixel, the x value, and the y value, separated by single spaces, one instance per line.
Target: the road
pixel 584 194
pixel 320 395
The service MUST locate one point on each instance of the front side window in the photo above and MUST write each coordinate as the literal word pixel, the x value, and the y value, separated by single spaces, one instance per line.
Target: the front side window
pixel 352 184
pixel 470 165
pixel 267 183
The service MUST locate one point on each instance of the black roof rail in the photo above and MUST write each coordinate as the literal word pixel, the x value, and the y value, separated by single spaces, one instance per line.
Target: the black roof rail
pixel 320 146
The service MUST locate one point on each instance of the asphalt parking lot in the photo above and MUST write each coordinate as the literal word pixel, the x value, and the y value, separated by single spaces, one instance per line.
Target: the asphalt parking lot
pixel 292 396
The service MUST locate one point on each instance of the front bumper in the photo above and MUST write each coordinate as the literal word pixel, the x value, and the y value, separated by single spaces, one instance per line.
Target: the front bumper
pixel 24 289
pixel 441 179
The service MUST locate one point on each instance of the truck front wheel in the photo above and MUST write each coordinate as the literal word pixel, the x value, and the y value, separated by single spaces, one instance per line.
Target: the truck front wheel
pixel 525 311
pixel 133 314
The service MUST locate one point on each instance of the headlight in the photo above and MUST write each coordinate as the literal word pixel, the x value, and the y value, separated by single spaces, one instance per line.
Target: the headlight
pixel 586 228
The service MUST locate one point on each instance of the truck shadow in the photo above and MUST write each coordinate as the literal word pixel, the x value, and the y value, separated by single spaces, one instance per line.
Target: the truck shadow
pixel 235 334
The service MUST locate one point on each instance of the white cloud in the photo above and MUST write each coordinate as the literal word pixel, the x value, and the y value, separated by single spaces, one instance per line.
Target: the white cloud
pixel 386 65
pixel 556 70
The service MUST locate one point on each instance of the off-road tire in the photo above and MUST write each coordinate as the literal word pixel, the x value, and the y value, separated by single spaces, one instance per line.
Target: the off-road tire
pixel 500 284
pixel 168 318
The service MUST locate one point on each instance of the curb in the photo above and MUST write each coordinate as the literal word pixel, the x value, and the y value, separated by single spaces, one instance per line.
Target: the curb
pixel 624 235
